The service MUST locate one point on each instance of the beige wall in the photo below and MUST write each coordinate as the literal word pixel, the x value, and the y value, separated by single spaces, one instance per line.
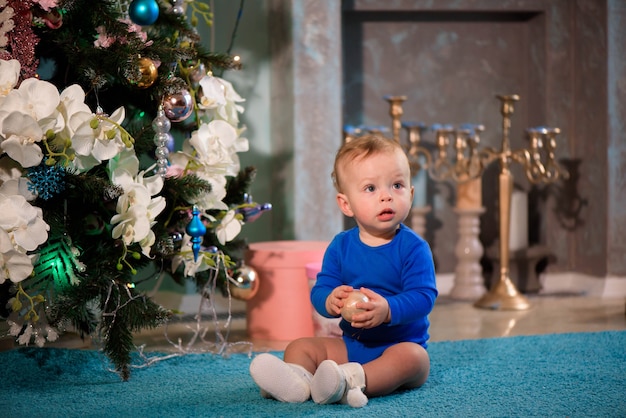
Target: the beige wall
pixel 562 57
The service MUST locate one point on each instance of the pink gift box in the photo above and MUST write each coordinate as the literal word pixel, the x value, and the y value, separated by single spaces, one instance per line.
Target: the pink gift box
pixel 322 326
pixel 281 310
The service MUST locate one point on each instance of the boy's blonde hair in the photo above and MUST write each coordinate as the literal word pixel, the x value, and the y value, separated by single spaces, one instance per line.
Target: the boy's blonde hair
pixel 361 147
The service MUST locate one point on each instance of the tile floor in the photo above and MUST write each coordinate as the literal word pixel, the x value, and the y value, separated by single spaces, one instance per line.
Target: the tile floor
pixel 450 320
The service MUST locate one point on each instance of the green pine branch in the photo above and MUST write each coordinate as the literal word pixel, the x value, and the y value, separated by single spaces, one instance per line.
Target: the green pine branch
pixel 240 185
pixel 125 312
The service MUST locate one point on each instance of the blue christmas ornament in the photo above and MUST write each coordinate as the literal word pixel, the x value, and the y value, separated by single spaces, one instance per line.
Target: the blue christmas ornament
pixel 46 181
pixel 143 12
pixel 196 230
pixel 252 213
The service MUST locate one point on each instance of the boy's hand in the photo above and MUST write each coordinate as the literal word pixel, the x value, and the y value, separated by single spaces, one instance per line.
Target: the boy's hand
pixel 376 311
pixel 335 301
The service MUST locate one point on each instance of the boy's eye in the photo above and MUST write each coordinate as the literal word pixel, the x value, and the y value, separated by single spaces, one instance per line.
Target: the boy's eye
pixel 397 186
pixel 369 188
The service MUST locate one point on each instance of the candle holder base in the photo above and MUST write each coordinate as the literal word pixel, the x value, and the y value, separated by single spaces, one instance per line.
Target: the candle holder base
pixel 418 219
pixel 469 283
pixel 524 266
pixel 503 296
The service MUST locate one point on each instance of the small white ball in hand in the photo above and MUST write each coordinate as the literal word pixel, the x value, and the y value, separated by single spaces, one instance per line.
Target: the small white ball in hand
pixel 349 305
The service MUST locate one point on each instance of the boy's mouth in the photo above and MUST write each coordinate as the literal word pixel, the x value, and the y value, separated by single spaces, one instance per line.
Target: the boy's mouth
pixel 386 214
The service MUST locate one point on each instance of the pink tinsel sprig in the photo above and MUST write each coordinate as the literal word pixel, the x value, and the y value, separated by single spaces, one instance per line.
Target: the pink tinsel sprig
pixel 46 5
pixel 22 38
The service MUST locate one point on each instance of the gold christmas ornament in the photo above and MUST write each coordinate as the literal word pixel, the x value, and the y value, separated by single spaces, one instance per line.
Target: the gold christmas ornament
pixel 349 306
pixel 246 283
pixel 149 73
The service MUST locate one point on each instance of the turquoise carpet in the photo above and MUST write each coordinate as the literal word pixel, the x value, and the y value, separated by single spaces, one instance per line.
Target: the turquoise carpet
pixel 566 375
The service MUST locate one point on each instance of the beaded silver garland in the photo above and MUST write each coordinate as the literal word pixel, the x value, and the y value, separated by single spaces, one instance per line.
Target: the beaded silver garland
pixel 178 7
pixel 161 125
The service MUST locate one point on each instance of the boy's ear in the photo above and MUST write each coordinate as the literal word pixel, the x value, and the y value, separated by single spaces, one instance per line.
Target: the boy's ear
pixel 344 205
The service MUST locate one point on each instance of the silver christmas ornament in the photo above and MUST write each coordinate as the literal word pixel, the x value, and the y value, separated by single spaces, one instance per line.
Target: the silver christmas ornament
pixel 245 283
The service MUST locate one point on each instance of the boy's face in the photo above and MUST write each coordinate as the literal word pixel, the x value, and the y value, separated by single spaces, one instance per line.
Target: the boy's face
pixel 377 192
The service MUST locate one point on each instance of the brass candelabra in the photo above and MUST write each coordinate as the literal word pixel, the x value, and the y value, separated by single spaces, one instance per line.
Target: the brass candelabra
pixel 468 162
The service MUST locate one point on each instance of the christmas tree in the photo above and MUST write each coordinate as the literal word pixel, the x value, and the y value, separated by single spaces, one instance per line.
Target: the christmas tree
pixel 93 187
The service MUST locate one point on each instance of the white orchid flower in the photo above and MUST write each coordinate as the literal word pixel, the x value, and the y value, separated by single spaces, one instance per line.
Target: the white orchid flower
pixel 153 183
pixel 98 141
pixel 9 169
pixel 133 223
pixel 230 112
pixel 26 113
pixel 72 100
pixel 136 223
pixel 208 154
pixel 137 209
pixel 211 152
pixel 212 93
pixel 195 266
pixel 23 222
pixel 22 229
pixel 22 135
pixel 178 161
pixel 229 228
pixel 211 200
pixel 124 171
pixel 147 242
pixel 212 143
pixel 73 110
pixel 16 186
pixel 34 97
pixel 14 265
pixel 241 144
pixel 9 76
pixel 185 256
pixel 219 101
pixel 123 168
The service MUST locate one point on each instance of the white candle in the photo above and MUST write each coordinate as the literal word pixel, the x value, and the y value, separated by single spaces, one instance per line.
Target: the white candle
pixel 469 194
pixel 518 222
pixel 419 184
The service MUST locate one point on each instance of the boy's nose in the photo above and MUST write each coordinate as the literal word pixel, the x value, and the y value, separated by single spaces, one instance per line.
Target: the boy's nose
pixel 385 196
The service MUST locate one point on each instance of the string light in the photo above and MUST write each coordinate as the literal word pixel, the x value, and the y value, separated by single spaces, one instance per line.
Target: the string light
pixel 198 343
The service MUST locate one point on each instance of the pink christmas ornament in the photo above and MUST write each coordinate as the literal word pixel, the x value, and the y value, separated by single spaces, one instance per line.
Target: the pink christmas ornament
pixel 178 106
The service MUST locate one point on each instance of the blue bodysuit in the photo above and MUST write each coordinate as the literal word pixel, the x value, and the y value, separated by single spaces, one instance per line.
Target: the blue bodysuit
pixel 402 271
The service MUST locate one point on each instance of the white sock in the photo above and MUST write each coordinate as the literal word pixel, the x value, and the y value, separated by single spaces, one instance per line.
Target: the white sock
pixel 282 381
pixel 333 383
pixel 354 397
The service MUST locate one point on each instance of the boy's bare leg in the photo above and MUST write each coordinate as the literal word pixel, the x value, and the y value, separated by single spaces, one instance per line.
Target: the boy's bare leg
pixel 403 365
pixel 310 352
